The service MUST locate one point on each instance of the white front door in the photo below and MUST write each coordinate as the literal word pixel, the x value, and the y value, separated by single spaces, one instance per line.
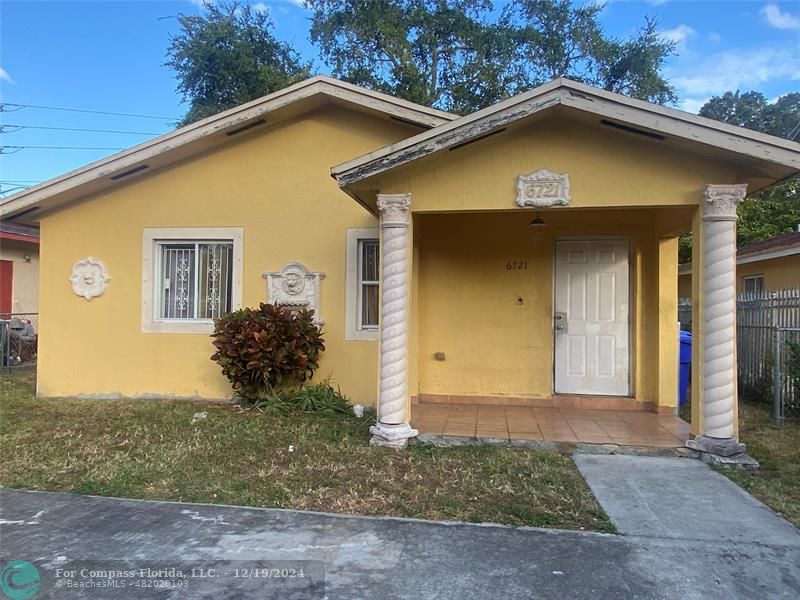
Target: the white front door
pixel 590 320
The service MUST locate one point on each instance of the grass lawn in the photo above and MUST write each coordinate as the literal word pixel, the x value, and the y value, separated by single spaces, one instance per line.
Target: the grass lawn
pixel 152 449
pixel 777 483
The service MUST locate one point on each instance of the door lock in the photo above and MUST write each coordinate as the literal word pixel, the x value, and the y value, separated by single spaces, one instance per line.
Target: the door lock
pixel 560 322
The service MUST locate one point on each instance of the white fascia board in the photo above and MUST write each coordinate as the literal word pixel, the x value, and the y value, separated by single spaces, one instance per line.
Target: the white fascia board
pixel 767 255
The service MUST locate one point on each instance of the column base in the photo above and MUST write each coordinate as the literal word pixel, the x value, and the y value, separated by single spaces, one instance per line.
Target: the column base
pixel 394 436
pixel 723 452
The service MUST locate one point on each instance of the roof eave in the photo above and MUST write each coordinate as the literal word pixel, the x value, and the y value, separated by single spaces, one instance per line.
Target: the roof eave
pixel 21 202
pixel 581 97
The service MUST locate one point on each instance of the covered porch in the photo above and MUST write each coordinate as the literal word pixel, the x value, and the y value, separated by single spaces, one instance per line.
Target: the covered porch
pixel 496 422
pixel 553 324
pixel 490 325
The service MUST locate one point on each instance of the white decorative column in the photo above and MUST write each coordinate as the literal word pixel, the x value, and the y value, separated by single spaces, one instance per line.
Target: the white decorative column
pixel 392 428
pixel 718 339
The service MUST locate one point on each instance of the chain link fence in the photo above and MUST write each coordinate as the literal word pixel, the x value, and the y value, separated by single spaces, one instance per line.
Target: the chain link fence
pixel 19 337
pixel 768 347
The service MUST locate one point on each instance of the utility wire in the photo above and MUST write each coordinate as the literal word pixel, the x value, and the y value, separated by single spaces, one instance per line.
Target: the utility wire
pixel 15 149
pixel 17 128
pixel 15 107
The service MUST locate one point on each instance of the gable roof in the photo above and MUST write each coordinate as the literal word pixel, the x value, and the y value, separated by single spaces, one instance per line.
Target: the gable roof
pixel 784 244
pixel 208 132
pixel 615 109
pixel 19 233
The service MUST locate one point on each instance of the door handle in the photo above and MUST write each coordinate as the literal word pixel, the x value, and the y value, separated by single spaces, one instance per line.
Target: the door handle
pixel 560 321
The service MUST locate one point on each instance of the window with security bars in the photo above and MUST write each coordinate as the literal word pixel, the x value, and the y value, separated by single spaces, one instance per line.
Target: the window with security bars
pixel 195 279
pixel 368 279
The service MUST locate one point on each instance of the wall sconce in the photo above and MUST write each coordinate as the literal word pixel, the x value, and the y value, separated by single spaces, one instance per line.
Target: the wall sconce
pixel 26 258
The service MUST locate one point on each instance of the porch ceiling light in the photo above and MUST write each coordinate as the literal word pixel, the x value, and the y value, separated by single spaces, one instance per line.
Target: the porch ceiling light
pixel 537 223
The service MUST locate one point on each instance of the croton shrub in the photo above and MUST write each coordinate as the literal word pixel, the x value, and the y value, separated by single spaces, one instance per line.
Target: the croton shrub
pixel 261 349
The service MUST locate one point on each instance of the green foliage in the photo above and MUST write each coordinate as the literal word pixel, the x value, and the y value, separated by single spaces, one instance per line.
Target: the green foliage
pixel 769 213
pixel 432 52
pixel 319 398
pixel 685 248
pixel 228 56
pixel 261 349
pixel 751 110
pixel 555 38
pixel 776 210
pixel 463 55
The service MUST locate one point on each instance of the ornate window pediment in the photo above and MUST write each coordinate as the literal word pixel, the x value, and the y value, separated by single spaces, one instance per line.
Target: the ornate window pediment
pixel 296 287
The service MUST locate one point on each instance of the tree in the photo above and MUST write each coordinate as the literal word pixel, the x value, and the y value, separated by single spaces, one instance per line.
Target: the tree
pixel 751 110
pixel 434 52
pixel 769 213
pixel 556 39
pixel 776 210
pixel 461 55
pixel 228 56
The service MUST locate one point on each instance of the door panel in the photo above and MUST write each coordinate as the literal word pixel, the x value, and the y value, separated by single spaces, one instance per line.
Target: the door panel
pixel 6 282
pixel 591 339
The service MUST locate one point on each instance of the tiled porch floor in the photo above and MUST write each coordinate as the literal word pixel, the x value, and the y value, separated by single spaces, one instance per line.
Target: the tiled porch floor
pixel 626 428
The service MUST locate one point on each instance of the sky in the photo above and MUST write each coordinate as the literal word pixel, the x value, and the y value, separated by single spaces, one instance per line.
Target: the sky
pixel 109 56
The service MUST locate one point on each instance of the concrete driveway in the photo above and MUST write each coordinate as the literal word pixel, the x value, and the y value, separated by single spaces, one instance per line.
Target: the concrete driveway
pixel 364 558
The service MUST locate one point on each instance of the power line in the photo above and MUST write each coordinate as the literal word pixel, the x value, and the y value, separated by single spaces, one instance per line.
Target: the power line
pixel 13 188
pixel 17 107
pixel 15 149
pixel 20 127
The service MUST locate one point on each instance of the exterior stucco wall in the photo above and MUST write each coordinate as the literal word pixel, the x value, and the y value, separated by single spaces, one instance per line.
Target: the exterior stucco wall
pixel 25 282
pixel 274 183
pixel 779 273
pixel 606 168
pixel 685 286
pixel 495 325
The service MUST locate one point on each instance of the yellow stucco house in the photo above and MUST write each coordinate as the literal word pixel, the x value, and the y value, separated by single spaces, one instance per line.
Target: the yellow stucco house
pixel 766 266
pixel 526 253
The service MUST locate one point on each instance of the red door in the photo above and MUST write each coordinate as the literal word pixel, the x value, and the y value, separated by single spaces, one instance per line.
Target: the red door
pixel 6 277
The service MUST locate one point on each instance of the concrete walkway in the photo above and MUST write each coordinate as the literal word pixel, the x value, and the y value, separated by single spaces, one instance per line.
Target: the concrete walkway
pixel 682 499
pixel 376 557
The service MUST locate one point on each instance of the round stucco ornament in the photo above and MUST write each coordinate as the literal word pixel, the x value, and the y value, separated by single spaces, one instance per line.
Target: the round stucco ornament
pixel 89 278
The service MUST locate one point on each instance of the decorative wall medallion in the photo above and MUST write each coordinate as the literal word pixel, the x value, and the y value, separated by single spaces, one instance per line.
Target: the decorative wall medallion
pixel 542 189
pixel 89 278
pixel 296 287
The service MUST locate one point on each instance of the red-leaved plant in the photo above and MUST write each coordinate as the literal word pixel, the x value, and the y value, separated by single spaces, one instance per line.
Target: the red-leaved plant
pixel 260 349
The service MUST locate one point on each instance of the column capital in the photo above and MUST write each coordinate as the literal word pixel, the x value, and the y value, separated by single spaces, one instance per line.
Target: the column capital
pixel 720 201
pixel 393 209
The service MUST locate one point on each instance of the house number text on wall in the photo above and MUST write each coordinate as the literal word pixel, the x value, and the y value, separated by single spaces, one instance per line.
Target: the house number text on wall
pixel 517 265
pixel 543 189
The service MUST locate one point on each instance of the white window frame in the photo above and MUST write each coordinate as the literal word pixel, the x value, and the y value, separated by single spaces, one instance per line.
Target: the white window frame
pixel 752 278
pixel 152 238
pixel 353 329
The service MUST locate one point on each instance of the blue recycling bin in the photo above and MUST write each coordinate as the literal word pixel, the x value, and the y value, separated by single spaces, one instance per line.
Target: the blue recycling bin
pixel 685 367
